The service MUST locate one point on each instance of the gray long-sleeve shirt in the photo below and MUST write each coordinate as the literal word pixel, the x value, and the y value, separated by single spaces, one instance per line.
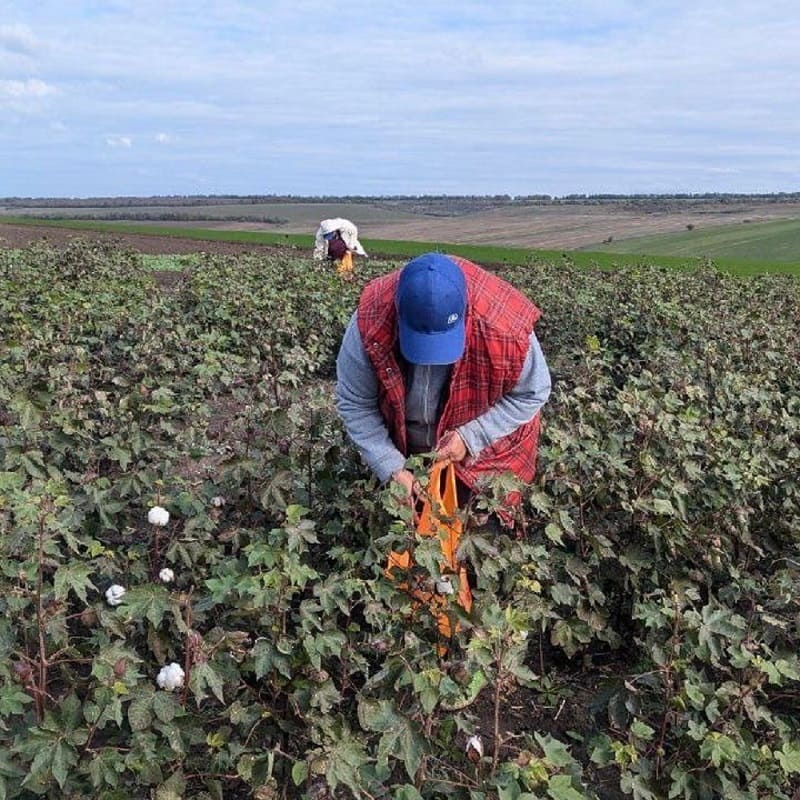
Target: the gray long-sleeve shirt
pixel 357 404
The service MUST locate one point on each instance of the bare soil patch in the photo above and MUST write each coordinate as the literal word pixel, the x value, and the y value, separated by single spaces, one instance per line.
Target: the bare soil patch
pixel 568 226
pixel 18 236
pixel 553 227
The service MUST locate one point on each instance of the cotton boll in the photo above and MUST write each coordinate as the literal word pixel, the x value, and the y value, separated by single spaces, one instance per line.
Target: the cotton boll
pixel 170 677
pixel 474 748
pixel 444 585
pixel 114 594
pixel 218 501
pixel 166 575
pixel 158 516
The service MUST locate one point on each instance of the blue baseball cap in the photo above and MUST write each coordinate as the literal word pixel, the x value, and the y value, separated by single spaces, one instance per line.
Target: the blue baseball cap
pixel 431 302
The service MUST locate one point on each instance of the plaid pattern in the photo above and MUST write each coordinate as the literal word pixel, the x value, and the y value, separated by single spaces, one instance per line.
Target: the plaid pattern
pixel 499 322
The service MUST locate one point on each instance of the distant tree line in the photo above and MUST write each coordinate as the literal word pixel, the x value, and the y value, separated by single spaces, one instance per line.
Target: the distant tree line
pixel 184 201
pixel 165 216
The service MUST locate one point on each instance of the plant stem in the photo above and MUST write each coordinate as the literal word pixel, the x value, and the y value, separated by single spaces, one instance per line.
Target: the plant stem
pixel 497 693
pixel 41 687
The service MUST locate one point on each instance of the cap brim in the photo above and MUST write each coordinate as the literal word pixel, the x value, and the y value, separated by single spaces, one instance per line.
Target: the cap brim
pixel 428 349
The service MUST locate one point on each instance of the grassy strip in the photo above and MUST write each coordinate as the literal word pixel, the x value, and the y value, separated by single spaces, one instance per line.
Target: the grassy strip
pixel 486 254
pixel 773 241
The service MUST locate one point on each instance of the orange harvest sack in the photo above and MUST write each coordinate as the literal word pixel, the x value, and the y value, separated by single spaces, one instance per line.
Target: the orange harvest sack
pixel 437 518
pixel 344 266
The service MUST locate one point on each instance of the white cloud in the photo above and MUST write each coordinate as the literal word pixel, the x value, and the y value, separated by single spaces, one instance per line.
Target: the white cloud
pixel 18 39
pixel 119 141
pixel 594 95
pixel 33 87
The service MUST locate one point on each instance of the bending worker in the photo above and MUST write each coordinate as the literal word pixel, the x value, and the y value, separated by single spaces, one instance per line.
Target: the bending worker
pixel 336 241
pixel 442 356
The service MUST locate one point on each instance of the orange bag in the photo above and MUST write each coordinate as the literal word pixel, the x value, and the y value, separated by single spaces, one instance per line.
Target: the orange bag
pixel 344 266
pixel 437 518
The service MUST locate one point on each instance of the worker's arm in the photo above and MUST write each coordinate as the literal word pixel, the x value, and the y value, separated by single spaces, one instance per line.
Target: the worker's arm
pixel 514 409
pixel 357 404
pixel 320 245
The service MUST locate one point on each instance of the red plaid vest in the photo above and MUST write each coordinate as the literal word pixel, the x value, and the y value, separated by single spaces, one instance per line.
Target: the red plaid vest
pixel 499 322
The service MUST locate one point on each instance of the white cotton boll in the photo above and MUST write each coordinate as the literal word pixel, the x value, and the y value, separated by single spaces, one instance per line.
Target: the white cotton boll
pixel 114 594
pixel 444 585
pixel 218 501
pixel 474 748
pixel 158 516
pixel 166 575
pixel 170 677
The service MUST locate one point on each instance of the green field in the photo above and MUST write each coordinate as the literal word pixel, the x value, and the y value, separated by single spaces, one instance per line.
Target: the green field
pixel 772 256
pixel 774 242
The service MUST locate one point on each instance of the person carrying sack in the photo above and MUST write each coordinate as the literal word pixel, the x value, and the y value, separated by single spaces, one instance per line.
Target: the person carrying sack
pixel 337 241
pixel 441 356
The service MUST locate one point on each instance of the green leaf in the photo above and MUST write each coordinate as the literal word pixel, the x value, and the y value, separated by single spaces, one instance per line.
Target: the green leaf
pixel 559 787
pixel 602 753
pixel 404 742
pixel 562 636
pixel 165 706
pixel 553 533
pixel 377 715
pixel 789 757
pixel 789 668
pixel 299 772
pixel 139 714
pixel 75 576
pixel 641 730
pixel 13 701
pixel 147 602
pixel 663 507
pixel 555 752
pixel 325 643
pixel 637 786
pixel 267 657
pixel 719 748
pixel 346 758
pixel 205 676
pixel 406 792
pixel 64 757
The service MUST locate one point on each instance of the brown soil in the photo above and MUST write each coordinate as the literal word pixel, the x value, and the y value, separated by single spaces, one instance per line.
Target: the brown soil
pixel 550 227
pixel 17 236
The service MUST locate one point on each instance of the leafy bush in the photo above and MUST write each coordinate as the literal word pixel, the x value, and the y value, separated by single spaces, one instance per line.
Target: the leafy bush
pixel 640 638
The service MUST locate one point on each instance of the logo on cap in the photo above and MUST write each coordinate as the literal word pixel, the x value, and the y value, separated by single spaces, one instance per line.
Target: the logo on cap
pixel 452 318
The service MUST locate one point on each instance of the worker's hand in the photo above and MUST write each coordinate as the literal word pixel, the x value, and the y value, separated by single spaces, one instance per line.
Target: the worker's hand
pixel 451 447
pixel 407 480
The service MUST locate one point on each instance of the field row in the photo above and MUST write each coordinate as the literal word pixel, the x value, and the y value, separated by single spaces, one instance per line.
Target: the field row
pixel 769 247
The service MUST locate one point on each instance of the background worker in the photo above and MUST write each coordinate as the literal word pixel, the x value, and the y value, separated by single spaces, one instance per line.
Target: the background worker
pixel 336 241
pixel 442 356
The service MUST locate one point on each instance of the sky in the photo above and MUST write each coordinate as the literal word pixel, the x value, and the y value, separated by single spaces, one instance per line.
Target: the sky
pixel 384 98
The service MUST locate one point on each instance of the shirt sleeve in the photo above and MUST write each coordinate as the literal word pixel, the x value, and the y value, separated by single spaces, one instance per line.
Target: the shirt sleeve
pixel 320 245
pixel 357 404
pixel 514 409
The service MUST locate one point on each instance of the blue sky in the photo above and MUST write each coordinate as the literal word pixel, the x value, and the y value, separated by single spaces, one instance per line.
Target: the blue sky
pixel 312 98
